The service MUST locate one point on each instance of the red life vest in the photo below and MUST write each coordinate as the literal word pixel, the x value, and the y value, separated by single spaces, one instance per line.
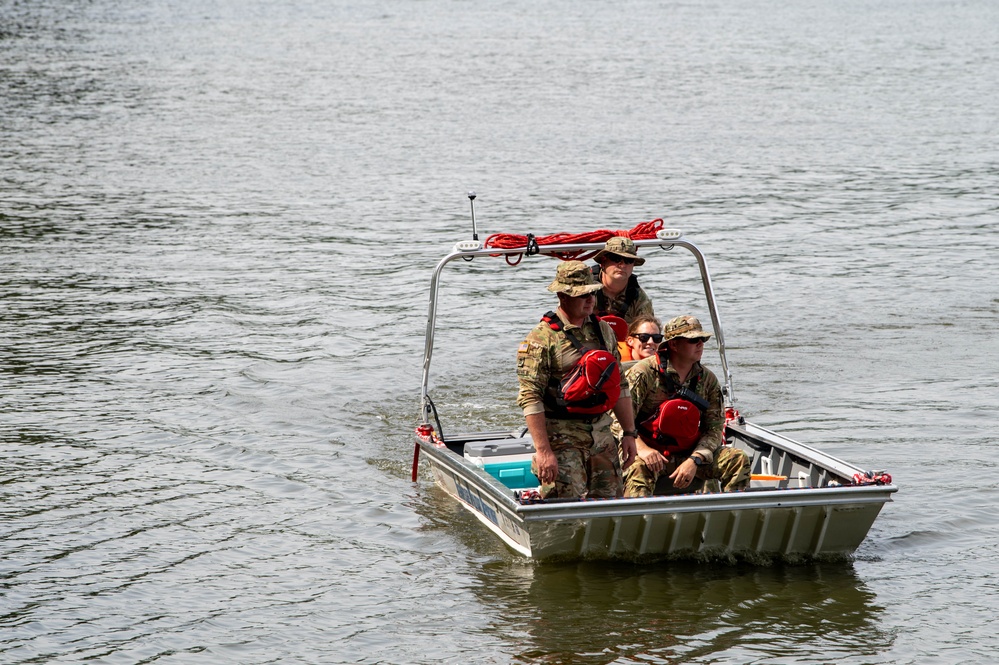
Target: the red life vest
pixel 617 324
pixel 676 425
pixel 592 386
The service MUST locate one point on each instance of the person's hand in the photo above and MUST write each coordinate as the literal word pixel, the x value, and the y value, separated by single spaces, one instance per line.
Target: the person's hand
pixel 547 465
pixel 653 459
pixel 628 451
pixel 684 474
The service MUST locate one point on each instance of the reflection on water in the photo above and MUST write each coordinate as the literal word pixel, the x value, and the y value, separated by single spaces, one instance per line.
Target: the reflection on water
pixel 599 612
pixel 667 611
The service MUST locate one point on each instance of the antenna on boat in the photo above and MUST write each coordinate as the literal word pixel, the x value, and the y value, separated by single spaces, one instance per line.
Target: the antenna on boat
pixel 471 203
pixel 465 247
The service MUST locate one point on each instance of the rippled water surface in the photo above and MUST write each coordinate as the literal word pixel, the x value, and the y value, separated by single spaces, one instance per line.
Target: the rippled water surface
pixel 217 224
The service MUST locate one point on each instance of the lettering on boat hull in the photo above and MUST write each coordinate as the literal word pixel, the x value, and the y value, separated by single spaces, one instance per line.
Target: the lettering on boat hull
pixel 483 508
pixel 466 495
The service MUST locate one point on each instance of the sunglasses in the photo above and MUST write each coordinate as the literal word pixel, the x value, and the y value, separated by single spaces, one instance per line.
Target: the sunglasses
pixel 614 258
pixel 645 337
pixel 699 340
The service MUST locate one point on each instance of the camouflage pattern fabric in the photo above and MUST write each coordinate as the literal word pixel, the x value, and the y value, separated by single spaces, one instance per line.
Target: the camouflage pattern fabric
pixel 621 246
pixel 586 452
pixel 686 326
pixel 588 466
pixel 548 354
pixel 731 467
pixel 647 393
pixel 641 306
pixel 575 279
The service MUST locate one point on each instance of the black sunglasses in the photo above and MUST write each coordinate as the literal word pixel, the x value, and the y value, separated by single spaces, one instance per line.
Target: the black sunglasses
pixel 694 340
pixel 614 258
pixel 645 337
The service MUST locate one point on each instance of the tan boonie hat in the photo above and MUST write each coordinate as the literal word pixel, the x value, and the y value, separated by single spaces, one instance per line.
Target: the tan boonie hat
pixel 622 247
pixel 574 278
pixel 684 326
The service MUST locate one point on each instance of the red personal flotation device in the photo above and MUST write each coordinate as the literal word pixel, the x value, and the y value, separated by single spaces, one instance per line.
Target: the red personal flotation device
pixel 617 324
pixel 592 386
pixel 676 425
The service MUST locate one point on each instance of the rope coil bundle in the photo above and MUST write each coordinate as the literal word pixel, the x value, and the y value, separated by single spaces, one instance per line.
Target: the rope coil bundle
pixel 531 244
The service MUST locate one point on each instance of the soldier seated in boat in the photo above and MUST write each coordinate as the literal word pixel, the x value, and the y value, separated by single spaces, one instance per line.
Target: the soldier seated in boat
pixel 678 407
pixel 576 456
pixel 620 293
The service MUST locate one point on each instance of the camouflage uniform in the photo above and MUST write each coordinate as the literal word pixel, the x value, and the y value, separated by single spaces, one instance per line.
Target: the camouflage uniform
pixel 588 464
pixel 619 305
pixel 729 465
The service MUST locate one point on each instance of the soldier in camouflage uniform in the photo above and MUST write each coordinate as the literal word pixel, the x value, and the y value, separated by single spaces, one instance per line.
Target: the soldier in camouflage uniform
pixel 681 349
pixel 620 293
pixel 575 457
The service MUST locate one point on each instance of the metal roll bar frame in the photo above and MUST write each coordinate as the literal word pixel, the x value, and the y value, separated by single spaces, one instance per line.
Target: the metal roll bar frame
pixel 469 249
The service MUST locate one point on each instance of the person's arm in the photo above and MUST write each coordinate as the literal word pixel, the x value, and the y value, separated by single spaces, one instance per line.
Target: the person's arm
pixel 642 380
pixel 533 367
pixel 544 458
pixel 713 424
pixel 684 474
pixel 653 459
pixel 712 420
pixel 626 417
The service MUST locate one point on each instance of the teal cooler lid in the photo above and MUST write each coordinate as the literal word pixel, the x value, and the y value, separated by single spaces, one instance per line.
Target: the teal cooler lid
pixel 514 475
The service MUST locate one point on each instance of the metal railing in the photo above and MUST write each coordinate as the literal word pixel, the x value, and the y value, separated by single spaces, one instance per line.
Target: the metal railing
pixel 468 250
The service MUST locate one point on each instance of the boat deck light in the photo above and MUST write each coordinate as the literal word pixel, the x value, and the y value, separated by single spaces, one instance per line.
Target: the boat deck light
pixel 467 245
pixel 669 234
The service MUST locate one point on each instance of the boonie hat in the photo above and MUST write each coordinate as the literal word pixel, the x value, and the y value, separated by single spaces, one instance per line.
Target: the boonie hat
pixel 622 247
pixel 684 326
pixel 575 279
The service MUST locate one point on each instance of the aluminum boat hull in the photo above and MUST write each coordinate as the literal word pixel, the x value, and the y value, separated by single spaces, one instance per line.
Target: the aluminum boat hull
pixel 816 513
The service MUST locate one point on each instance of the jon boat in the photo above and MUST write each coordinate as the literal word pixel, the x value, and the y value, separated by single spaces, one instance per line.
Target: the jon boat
pixel 803 504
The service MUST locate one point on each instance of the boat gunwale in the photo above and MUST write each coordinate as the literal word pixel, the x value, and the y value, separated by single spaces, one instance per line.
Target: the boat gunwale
pixel 755 498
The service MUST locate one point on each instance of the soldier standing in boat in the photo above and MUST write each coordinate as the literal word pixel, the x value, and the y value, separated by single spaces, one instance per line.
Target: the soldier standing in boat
pixel 576 455
pixel 620 293
pixel 678 407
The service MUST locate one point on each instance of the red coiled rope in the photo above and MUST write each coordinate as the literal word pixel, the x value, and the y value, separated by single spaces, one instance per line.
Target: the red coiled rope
pixel 532 244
